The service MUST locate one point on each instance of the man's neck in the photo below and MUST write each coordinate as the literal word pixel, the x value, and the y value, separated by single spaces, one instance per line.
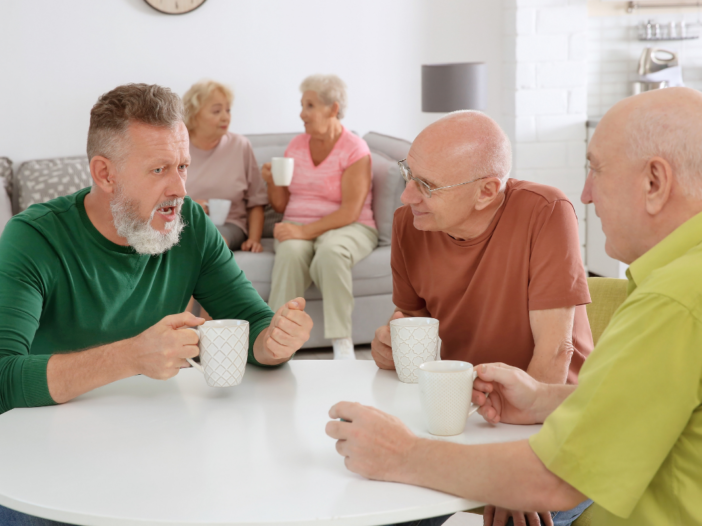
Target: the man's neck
pixel 97 206
pixel 480 221
pixel 675 216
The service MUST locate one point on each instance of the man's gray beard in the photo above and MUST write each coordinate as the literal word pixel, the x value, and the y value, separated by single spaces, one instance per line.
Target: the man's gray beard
pixel 139 233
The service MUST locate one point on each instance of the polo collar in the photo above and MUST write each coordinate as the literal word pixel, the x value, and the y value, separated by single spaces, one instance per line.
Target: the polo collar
pixel 672 247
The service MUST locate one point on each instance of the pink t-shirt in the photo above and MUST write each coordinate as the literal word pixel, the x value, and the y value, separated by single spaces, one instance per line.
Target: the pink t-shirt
pixel 315 191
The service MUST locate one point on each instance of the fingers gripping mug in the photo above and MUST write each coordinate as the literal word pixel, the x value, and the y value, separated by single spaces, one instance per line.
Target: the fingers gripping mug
pixel 224 349
pixel 414 341
pixel 446 390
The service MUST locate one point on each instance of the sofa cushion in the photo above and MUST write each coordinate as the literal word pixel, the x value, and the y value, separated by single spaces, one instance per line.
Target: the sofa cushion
pixel 388 185
pixel 392 147
pixel 5 191
pixel 371 275
pixel 40 181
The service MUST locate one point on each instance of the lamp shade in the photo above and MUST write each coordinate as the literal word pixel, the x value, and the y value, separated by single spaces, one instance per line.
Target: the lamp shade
pixel 451 87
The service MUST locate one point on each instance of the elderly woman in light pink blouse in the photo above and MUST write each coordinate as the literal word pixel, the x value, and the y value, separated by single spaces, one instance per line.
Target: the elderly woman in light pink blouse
pixel 328 224
pixel 223 165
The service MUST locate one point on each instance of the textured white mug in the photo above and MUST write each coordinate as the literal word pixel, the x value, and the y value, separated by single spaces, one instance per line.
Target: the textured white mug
pixel 446 389
pixel 224 349
pixel 219 210
pixel 414 341
pixel 282 170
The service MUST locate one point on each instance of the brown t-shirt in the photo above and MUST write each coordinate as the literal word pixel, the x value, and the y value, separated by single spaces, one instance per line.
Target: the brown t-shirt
pixel 481 290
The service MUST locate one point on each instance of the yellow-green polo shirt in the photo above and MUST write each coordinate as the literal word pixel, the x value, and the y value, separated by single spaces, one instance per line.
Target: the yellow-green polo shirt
pixel 630 436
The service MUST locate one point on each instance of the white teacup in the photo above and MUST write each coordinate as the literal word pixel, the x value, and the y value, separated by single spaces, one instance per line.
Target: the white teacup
pixel 414 341
pixel 282 170
pixel 224 349
pixel 446 389
pixel 219 210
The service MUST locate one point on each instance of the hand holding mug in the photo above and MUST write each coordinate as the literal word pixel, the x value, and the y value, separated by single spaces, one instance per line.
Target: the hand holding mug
pixel 514 395
pixel 162 350
pixel 267 174
pixel 289 330
pixel 381 346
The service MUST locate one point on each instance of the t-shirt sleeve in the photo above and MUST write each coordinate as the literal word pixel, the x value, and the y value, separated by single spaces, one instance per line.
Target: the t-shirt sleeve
pixel 256 194
pixel 637 393
pixel 556 272
pixel 356 149
pixel 25 256
pixel 403 294
pixel 222 288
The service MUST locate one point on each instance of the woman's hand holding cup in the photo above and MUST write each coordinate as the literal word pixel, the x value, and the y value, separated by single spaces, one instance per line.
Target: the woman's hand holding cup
pixel 267 174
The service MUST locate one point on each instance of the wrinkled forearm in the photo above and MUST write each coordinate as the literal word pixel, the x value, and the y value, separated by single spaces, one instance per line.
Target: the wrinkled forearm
pixel 255 216
pixel 551 366
pixel 278 197
pixel 72 374
pixel 508 475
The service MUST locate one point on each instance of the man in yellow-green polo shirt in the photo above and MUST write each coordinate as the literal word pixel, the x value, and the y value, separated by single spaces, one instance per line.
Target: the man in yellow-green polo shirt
pixel 629 436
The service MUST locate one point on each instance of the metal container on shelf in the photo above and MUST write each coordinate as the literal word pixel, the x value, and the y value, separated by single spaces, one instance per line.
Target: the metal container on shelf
pixel 658 68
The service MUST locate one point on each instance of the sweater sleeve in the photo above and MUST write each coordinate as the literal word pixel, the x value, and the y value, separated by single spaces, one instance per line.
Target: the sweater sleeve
pixel 222 287
pixel 22 289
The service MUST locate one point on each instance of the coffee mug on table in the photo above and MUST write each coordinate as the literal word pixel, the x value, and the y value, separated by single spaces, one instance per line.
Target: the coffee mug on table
pixel 282 170
pixel 224 349
pixel 414 341
pixel 446 389
pixel 219 210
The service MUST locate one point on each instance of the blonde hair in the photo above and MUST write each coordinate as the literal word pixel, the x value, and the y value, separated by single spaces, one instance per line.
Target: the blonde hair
pixel 114 110
pixel 198 93
pixel 330 89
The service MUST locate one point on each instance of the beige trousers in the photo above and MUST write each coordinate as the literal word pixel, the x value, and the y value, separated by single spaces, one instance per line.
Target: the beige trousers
pixel 326 261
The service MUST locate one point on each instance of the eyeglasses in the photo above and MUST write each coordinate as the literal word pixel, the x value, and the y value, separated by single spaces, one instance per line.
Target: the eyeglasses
pixel 421 185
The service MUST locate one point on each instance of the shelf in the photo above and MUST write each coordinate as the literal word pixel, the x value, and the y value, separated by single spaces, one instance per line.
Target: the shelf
pixel 633 6
pixel 659 39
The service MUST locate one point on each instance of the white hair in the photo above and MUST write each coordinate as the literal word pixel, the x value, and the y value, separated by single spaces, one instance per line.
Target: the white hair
pixel 672 135
pixel 330 89
pixel 138 232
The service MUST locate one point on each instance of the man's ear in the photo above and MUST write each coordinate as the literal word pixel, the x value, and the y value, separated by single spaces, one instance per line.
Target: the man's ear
pixel 488 191
pixel 104 173
pixel 658 184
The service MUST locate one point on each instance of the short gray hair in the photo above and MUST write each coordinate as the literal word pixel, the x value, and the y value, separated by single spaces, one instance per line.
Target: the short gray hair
pixel 197 95
pixel 672 135
pixel 116 109
pixel 330 89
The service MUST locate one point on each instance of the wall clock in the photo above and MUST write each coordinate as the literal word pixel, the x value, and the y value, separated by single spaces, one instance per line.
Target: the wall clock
pixel 175 7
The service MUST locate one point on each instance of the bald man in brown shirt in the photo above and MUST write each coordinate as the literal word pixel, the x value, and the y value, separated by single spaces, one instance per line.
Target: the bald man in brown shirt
pixel 495 260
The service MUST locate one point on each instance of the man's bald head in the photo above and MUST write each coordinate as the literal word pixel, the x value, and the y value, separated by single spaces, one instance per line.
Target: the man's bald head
pixel 467 143
pixel 664 123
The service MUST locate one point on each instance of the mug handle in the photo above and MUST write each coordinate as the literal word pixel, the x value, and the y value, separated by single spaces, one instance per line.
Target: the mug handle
pixel 190 361
pixel 475 407
pixel 438 350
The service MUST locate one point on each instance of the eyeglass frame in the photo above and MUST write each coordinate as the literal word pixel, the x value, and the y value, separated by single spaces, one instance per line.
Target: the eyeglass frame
pixel 407 176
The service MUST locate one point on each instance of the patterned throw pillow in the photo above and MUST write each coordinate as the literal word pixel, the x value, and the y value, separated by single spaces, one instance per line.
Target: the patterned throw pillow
pixel 40 181
pixel 6 174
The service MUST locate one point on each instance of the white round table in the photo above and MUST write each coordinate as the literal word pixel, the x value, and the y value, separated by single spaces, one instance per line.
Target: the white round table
pixel 140 452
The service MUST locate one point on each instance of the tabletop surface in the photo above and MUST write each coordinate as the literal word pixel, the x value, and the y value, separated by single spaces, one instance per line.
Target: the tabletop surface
pixel 142 451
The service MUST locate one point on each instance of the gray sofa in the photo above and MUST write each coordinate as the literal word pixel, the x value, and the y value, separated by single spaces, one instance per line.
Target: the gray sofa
pixel 40 180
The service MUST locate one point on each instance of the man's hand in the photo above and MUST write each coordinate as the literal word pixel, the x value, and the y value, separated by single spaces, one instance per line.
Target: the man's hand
pixel 252 246
pixel 284 231
pixel 499 516
pixel 289 330
pixel 513 394
pixel 161 351
pixel 381 346
pixel 374 444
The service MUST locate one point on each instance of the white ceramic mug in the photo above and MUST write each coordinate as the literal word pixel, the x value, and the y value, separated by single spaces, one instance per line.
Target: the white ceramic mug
pixel 414 341
pixel 446 389
pixel 219 210
pixel 282 170
pixel 224 349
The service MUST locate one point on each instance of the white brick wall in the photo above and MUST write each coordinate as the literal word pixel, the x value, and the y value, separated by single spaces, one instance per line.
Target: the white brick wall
pixel 614 52
pixel 545 95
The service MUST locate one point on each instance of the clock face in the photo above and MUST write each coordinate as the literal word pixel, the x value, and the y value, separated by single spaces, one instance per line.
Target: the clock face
pixel 175 7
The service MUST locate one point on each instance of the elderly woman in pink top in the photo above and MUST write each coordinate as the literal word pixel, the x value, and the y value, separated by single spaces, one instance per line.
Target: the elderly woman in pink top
pixel 223 165
pixel 328 224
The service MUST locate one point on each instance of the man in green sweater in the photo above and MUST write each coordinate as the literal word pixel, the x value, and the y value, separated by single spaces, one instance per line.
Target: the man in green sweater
pixel 94 285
